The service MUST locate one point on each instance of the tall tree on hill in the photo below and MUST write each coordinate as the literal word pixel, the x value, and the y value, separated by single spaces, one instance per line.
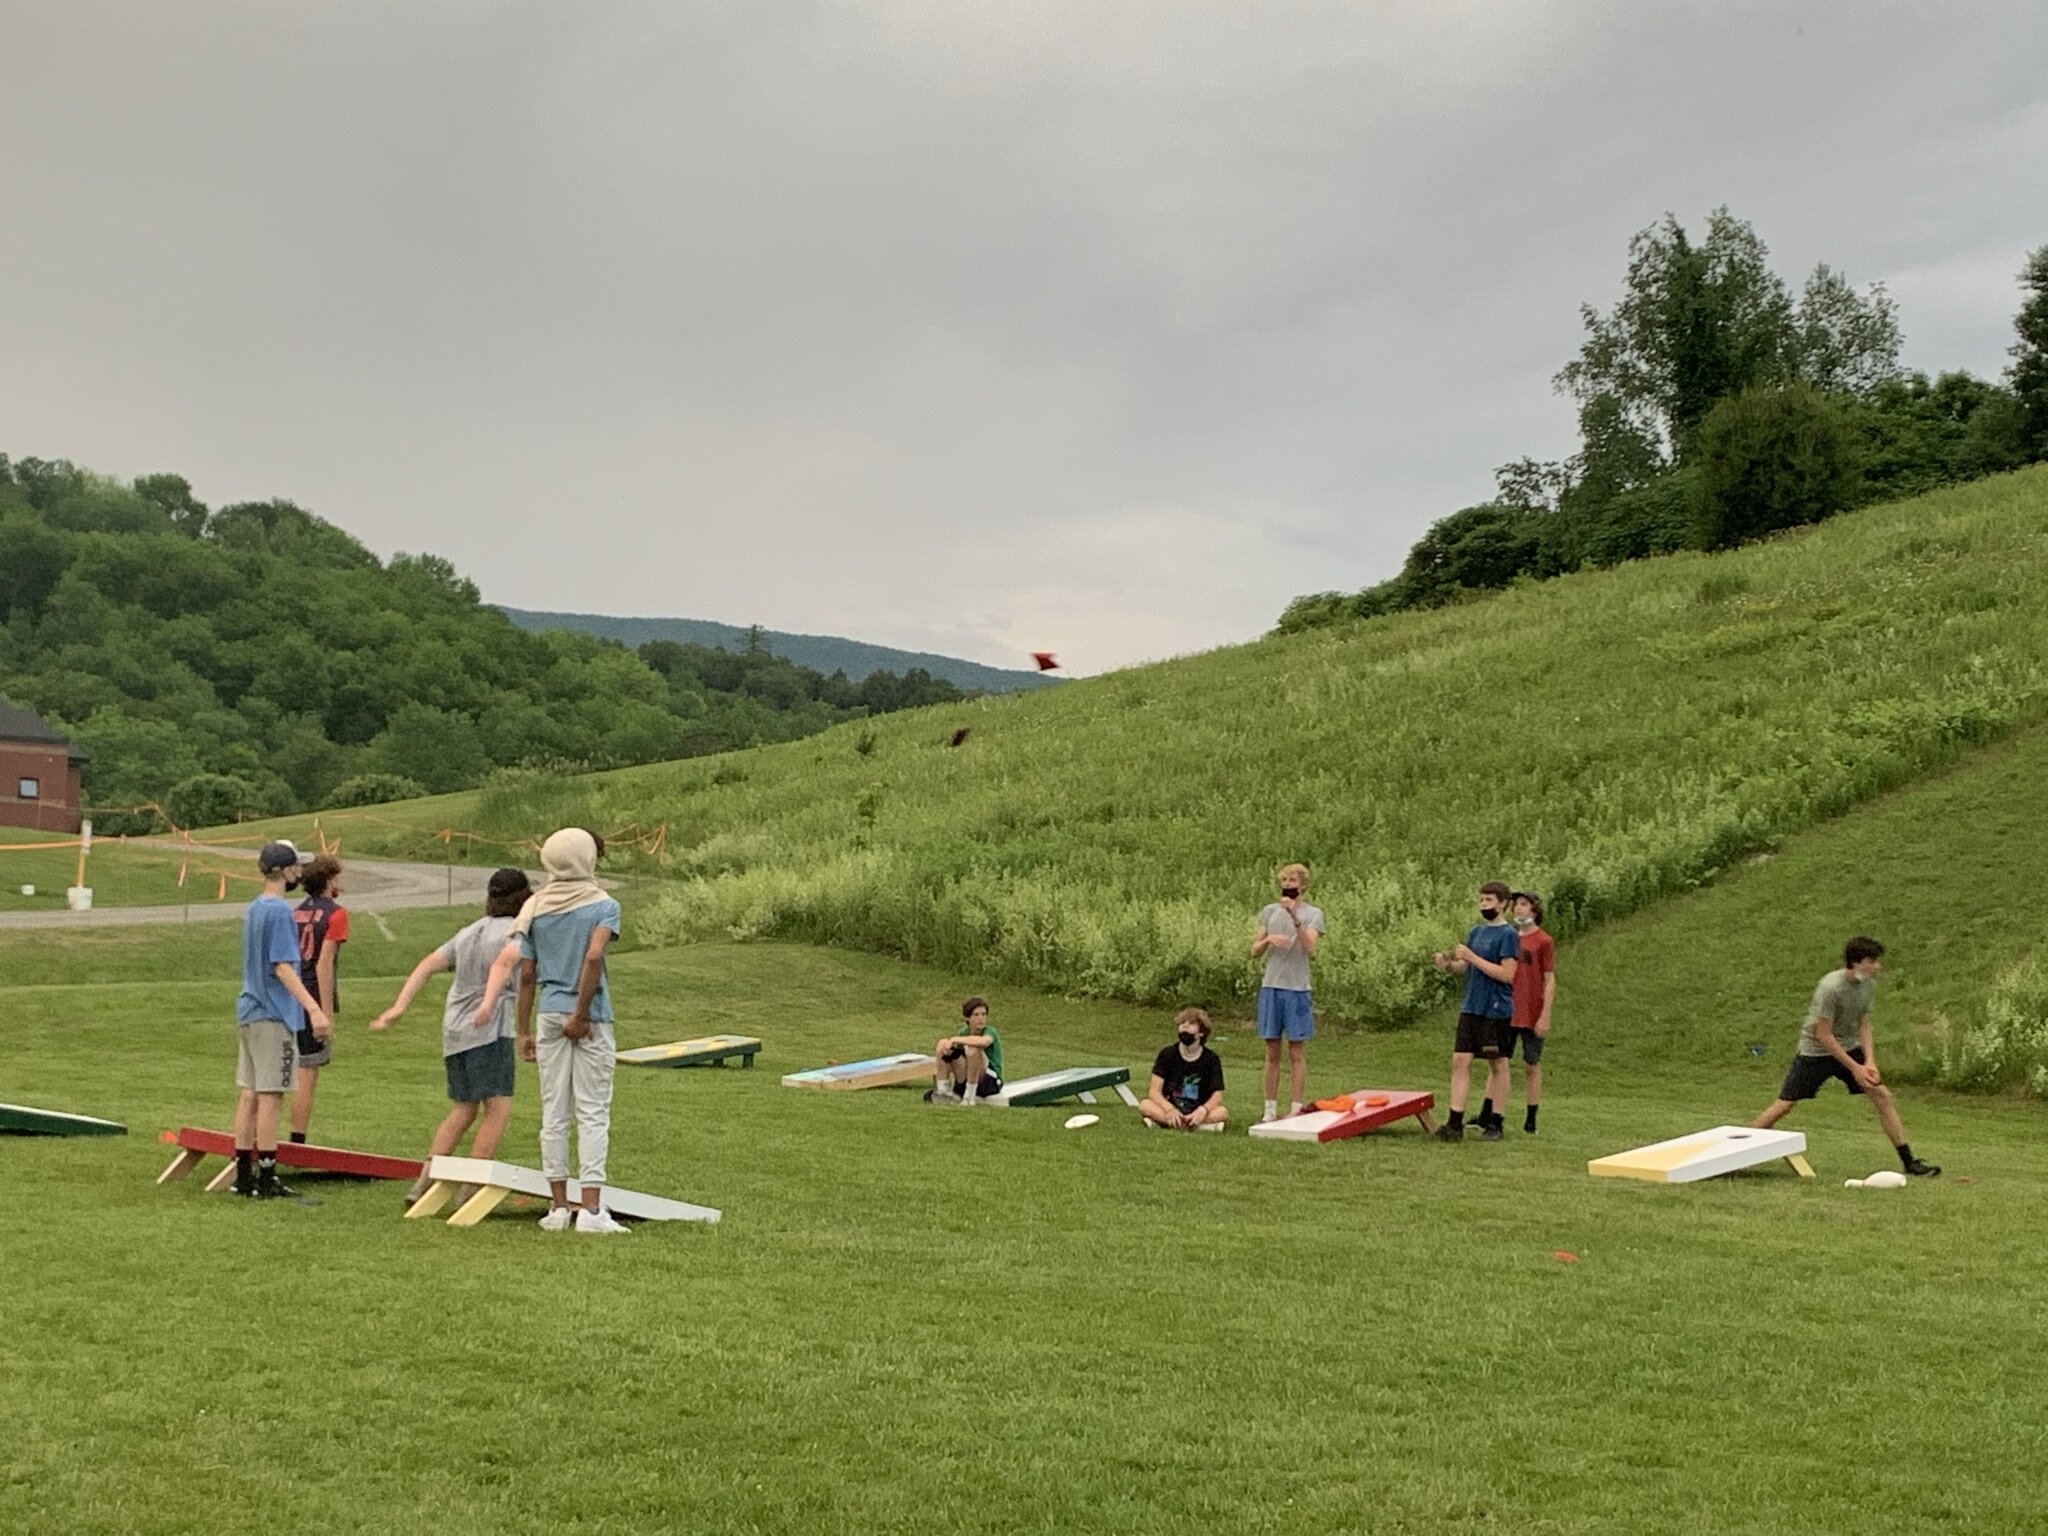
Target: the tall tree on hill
pixel 1700 321
pixel 2029 370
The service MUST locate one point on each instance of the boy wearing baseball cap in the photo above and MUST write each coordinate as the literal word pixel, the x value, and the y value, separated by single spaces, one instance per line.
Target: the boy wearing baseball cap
pixel 268 1013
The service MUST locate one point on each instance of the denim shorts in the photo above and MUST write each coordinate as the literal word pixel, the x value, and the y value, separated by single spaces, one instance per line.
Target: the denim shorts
pixel 1286 1014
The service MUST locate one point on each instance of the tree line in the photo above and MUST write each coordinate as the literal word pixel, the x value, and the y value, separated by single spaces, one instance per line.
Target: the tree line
pixel 1714 408
pixel 255 659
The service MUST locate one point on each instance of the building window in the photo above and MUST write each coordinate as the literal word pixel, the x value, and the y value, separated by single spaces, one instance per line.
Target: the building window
pixel 31 789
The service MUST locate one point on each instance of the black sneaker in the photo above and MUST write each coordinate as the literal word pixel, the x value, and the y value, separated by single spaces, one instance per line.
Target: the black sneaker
pixel 1491 1131
pixel 1450 1133
pixel 275 1189
pixel 245 1191
pixel 1923 1170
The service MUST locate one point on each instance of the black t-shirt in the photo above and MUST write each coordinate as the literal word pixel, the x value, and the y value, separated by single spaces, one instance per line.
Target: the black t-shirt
pixel 1188 1085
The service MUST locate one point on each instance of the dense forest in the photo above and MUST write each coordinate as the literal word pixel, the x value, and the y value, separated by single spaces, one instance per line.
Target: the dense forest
pixel 255 658
pixel 1715 407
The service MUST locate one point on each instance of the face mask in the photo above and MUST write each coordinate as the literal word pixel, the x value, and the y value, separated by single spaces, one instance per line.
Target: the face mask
pixel 291 885
pixel 1188 1037
pixel 1525 922
pixel 1290 891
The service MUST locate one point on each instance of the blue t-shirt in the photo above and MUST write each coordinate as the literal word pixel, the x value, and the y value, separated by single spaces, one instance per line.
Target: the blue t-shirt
pixel 1484 996
pixel 556 945
pixel 270 938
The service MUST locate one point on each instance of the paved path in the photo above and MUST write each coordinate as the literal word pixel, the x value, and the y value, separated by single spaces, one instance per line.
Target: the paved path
pixel 371 886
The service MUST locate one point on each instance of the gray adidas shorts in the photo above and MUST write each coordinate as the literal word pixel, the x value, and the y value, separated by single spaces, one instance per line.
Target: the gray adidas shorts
pixel 268 1059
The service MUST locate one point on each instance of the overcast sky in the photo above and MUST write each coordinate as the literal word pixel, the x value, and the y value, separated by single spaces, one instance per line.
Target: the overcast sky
pixel 1104 327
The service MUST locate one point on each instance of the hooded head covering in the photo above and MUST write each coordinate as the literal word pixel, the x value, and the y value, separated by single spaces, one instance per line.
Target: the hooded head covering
pixel 570 858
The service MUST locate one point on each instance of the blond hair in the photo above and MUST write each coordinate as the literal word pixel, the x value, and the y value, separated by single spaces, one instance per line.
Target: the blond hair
pixel 1299 871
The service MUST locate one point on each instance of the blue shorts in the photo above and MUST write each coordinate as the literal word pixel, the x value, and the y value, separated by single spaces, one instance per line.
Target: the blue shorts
pixel 1286 1014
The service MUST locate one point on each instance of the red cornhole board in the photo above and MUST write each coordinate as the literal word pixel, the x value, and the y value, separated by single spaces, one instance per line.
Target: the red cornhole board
pixel 194 1145
pixel 1370 1109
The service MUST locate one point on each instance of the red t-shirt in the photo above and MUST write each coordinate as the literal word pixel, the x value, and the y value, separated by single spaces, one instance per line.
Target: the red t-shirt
pixel 1534 962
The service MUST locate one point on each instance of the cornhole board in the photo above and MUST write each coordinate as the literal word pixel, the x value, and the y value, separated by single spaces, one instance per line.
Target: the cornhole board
pixel 195 1146
pixel 1704 1155
pixel 494 1182
pixel 21 1120
pixel 878 1072
pixel 1370 1109
pixel 1081 1083
pixel 706 1051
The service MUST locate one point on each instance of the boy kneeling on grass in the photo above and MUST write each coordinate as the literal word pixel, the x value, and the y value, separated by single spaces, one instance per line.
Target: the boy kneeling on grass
pixel 1841 1004
pixel 1186 1092
pixel 970 1064
pixel 476 1048
pixel 273 1002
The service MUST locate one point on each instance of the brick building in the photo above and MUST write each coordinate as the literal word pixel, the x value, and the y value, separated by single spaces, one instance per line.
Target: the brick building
pixel 39 772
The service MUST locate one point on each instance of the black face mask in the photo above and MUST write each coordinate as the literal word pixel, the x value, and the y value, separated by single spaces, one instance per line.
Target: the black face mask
pixel 1189 1037
pixel 291 885
pixel 1490 914
pixel 1290 891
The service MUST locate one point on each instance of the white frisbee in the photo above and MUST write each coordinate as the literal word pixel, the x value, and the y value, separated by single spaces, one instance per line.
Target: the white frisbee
pixel 1076 1122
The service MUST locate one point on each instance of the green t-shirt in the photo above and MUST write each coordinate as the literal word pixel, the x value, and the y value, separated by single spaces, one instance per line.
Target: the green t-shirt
pixel 1843 1001
pixel 994 1048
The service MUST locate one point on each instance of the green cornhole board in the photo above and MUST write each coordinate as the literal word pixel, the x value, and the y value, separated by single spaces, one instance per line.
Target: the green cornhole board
pixel 20 1120
pixel 705 1051
pixel 1081 1083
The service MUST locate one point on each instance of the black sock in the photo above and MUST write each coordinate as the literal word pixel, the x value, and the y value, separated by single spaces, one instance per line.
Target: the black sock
pixel 1529 1119
pixel 1905 1155
pixel 245 1166
pixel 1457 1119
pixel 1485 1111
pixel 266 1167
pixel 298 1138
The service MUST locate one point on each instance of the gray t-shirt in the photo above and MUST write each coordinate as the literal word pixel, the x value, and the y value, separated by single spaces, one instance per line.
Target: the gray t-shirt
pixel 1287 969
pixel 1843 1001
pixel 471 953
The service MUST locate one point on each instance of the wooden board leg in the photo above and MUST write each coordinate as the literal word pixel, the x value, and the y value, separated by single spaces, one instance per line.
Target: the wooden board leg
pixel 432 1201
pixel 1800 1166
pixel 1123 1091
pixel 222 1180
pixel 747 1061
pixel 1085 1098
pixel 1428 1125
pixel 181 1165
pixel 479 1205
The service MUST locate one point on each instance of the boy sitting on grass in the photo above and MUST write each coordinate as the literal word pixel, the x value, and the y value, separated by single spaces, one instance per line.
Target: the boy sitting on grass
pixel 476 1048
pixel 1186 1092
pixel 970 1064
pixel 268 1013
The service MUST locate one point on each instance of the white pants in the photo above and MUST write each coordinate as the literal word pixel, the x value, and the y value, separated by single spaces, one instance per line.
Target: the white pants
pixel 575 1078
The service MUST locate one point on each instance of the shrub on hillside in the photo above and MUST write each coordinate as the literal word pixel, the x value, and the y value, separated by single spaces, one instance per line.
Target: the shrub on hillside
pixel 1653 519
pixel 1770 459
pixel 373 789
pixel 213 800
pixel 2008 1041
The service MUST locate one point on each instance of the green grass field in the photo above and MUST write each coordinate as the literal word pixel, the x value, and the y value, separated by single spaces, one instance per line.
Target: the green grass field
pixel 916 1319
pixel 1610 738
pixel 121 874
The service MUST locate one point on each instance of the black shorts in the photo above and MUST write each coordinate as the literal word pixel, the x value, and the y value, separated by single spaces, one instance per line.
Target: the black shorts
pixel 1807 1074
pixel 1530 1042
pixel 482 1072
pixel 1479 1035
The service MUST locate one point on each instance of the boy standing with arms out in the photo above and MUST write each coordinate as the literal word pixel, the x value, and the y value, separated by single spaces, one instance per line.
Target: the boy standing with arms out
pixel 969 1066
pixel 476 1047
pixel 323 929
pixel 558 943
pixel 1840 1006
pixel 1289 931
pixel 1487 962
pixel 272 1006
pixel 1535 986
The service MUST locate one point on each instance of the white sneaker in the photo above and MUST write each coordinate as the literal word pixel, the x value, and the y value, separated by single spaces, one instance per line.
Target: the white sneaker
pixel 1272 1113
pixel 557 1219
pixel 1210 1125
pixel 1293 1110
pixel 600 1222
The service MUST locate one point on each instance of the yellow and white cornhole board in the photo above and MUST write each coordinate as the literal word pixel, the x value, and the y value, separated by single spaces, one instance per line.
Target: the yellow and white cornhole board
pixel 491 1183
pixel 1704 1155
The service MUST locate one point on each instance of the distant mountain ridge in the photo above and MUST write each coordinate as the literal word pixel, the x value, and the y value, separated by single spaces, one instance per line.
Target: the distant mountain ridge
pixel 825 653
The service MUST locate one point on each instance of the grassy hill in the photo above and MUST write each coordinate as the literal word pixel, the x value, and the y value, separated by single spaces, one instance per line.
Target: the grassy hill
pixel 822 653
pixel 1608 738
pixel 810 1347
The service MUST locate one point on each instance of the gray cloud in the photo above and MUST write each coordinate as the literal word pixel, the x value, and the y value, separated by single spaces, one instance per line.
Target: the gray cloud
pixel 978 327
